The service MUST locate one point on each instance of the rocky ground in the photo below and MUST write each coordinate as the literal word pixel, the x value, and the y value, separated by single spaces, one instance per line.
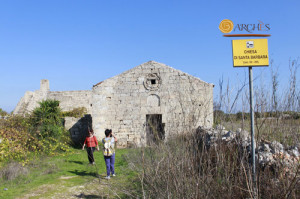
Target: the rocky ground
pixel 267 154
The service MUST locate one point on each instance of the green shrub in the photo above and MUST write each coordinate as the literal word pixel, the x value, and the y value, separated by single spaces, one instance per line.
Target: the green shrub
pixel 46 120
pixel 41 133
pixel 2 112
pixel 76 112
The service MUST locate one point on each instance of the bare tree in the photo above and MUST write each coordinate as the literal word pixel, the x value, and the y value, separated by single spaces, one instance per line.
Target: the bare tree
pixel 292 98
pixel 275 83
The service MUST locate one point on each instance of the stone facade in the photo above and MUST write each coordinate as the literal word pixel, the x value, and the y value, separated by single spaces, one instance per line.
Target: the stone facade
pixel 127 102
pixel 68 99
pixel 123 102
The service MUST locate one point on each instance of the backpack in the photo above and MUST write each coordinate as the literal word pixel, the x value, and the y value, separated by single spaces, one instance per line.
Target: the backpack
pixel 108 147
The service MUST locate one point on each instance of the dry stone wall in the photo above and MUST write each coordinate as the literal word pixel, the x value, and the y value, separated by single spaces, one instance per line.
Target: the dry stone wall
pixel 68 99
pixel 121 103
pixel 72 99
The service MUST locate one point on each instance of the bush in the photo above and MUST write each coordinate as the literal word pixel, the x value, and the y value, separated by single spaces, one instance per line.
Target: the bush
pixel 76 112
pixel 15 139
pixel 3 113
pixel 12 171
pixel 241 115
pixel 25 137
pixel 47 127
pixel 218 116
pixel 46 120
pixel 292 114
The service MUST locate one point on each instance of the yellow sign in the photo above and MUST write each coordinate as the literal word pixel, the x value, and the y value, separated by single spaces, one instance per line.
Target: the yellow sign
pixel 250 52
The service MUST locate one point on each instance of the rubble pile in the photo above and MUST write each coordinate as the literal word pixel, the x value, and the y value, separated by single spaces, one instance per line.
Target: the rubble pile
pixel 268 154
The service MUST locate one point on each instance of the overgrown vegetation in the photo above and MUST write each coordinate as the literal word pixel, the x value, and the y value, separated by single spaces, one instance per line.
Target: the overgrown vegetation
pixel 46 121
pixel 76 112
pixel 42 132
pixel 3 113
pixel 184 168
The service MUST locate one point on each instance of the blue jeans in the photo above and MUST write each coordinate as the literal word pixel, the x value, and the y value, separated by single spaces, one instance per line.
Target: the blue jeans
pixel 110 164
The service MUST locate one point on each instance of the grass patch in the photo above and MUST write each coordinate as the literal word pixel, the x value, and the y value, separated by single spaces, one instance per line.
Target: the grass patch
pixel 285 131
pixel 55 176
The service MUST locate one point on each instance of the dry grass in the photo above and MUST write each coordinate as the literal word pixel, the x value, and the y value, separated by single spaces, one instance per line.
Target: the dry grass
pixel 184 168
pixel 12 171
pixel 285 131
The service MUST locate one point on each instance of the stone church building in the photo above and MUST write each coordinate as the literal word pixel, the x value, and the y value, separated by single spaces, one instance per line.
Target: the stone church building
pixel 148 102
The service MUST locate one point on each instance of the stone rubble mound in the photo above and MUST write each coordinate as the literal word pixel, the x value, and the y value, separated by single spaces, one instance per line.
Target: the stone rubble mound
pixel 268 154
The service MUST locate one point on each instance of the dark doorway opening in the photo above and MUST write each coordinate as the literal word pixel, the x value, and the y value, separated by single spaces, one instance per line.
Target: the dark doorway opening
pixel 155 129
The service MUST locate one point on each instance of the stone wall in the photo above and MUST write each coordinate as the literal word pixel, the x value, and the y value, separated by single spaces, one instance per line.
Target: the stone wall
pixel 72 99
pixel 29 102
pixel 78 128
pixel 68 99
pixel 121 103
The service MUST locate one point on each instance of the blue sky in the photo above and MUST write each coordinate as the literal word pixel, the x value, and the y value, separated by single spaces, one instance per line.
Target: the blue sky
pixel 76 44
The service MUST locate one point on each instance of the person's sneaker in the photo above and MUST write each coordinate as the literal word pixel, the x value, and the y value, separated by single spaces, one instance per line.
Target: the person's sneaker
pixel 107 177
pixel 113 175
pixel 93 163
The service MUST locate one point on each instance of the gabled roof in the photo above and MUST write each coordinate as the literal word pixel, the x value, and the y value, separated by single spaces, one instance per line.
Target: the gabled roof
pixel 155 64
pixel 97 84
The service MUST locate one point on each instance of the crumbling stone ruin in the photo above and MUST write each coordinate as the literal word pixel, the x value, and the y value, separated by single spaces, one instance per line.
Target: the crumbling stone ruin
pixel 150 101
pixel 68 99
pixel 271 155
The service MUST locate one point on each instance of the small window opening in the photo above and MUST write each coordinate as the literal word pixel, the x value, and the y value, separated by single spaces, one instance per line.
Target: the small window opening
pixel 153 81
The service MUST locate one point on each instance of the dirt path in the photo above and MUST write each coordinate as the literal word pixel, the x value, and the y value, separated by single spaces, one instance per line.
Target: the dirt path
pixel 92 189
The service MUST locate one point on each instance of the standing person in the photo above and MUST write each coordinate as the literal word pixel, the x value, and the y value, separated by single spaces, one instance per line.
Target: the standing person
pixel 91 143
pixel 109 152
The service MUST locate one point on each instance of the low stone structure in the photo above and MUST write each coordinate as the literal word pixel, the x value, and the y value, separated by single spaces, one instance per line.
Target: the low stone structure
pixel 68 99
pixel 148 102
pixel 268 154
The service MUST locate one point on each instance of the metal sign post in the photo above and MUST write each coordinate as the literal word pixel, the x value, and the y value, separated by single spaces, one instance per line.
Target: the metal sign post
pixel 249 53
pixel 252 127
